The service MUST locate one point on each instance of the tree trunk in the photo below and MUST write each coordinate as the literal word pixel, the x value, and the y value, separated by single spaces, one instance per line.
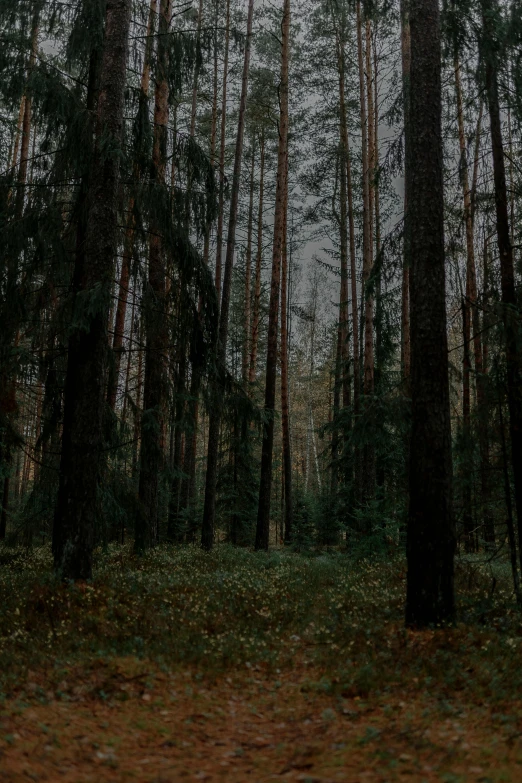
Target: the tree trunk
pixel 174 522
pixel 467 466
pixel 343 231
pixel 82 439
pixel 405 290
pixel 431 535
pixel 222 144
pixel 469 308
pixel 209 511
pixel 248 275
pixel 10 325
pixel 16 147
pixel 510 314
pixel 367 480
pixel 368 167
pixel 196 73
pixel 190 457
pixel 265 484
pixel 254 341
pixel 285 400
pixel 128 243
pixel 155 385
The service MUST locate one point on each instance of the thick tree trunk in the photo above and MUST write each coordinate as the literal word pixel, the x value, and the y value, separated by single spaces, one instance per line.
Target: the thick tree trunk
pixel 155 384
pixel 265 484
pixel 82 440
pixel 431 535
pixel 209 510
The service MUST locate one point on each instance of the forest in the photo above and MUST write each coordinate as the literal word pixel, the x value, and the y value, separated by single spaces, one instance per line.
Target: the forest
pixel 260 390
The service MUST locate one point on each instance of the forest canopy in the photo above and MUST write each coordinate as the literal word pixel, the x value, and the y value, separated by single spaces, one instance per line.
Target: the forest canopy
pixel 260 280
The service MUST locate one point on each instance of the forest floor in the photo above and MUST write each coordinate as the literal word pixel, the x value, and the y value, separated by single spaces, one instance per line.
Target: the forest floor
pixel 242 667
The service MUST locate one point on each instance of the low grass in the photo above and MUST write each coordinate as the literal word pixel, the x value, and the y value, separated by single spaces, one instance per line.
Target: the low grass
pixel 235 608
pixel 241 666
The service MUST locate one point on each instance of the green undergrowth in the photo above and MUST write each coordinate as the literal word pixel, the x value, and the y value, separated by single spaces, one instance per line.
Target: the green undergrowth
pixel 339 619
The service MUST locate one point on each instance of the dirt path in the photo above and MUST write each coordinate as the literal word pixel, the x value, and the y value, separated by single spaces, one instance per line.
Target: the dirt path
pixel 126 721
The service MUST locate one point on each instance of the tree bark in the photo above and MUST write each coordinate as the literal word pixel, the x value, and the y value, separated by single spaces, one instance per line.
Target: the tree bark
pixel 209 510
pixel 431 535
pixel 128 243
pixel 405 289
pixel 285 393
pixel 367 248
pixel 222 145
pixel 510 312
pixel 82 439
pixel 248 275
pixel 254 341
pixel 265 484
pixel 343 231
pixel 196 74
pixel 469 311
pixel 155 382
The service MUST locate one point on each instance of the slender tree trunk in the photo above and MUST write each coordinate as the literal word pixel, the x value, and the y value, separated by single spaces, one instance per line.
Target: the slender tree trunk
pixel 196 73
pixel 10 326
pixel 82 439
pixel 346 224
pixel 128 243
pixel 285 400
pixel 189 486
pixel 378 287
pixel 265 484
pixel 367 123
pixel 467 467
pixel 366 198
pixel 484 408
pixel 209 511
pixel 509 508
pixel 155 385
pixel 174 522
pixel 248 274
pixel 431 534
pixel 367 480
pixel 138 413
pixel 469 307
pixel 129 361
pixel 343 230
pixel 510 313
pixel 254 341
pixel 405 291
pixel 334 421
pixel 222 145
pixel 18 134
